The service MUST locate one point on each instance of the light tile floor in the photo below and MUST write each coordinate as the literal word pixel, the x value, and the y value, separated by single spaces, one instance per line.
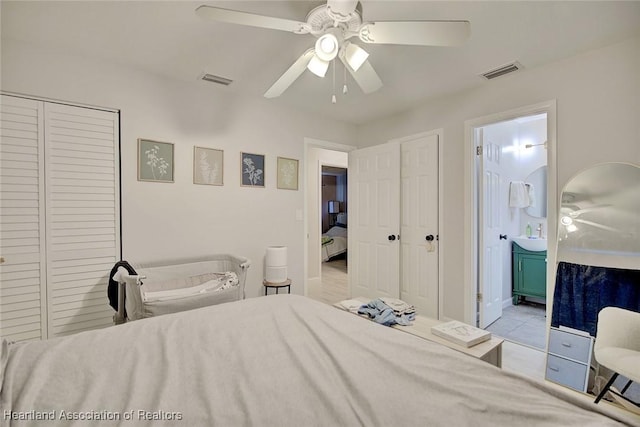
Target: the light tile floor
pixel 524 323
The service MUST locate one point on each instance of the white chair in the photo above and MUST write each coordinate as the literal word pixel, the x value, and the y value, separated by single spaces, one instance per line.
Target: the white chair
pixel 617 347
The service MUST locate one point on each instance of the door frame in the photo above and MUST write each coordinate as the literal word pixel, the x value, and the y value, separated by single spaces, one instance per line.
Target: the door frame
pixel 439 132
pixel 471 228
pixel 316 168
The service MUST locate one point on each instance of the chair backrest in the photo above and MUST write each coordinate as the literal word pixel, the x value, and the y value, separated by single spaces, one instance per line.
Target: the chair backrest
pixel 618 327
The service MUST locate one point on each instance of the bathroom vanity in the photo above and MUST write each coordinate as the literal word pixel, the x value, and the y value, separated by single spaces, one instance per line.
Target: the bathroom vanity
pixel 529 270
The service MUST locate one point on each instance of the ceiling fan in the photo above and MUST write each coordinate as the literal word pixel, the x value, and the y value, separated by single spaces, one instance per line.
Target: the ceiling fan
pixel 571 213
pixel 335 24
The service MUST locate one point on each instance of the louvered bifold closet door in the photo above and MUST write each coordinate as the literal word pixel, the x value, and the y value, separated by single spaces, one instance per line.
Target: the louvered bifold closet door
pixel 83 240
pixel 22 266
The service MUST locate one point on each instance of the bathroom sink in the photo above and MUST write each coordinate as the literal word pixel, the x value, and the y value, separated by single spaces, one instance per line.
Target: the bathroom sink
pixel 531 243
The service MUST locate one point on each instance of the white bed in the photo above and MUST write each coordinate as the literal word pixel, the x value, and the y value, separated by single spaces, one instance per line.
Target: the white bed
pixel 280 360
pixel 334 242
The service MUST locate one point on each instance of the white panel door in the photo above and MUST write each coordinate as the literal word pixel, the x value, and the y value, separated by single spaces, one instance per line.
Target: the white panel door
pixel 419 225
pixel 83 240
pixel 374 209
pixel 490 256
pixel 22 227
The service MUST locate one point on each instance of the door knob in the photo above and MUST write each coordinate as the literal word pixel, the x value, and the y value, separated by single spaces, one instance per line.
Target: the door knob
pixel 503 237
pixel 429 238
pixel 392 237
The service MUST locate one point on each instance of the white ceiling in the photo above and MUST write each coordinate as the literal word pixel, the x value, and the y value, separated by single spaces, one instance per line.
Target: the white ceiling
pixel 166 37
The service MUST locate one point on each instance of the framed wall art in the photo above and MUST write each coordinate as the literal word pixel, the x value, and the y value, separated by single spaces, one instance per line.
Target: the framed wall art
pixel 252 170
pixel 208 166
pixel 287 173
pixel 155 161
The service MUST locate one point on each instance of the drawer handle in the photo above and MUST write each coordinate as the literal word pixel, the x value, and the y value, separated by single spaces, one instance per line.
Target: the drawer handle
pixel 566 344
pixel 554 369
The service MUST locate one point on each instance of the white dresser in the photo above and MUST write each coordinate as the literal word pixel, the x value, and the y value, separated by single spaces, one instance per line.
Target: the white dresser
pixel 569 358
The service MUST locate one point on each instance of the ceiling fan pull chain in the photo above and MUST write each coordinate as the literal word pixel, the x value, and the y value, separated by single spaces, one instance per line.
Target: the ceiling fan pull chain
pixel 333 97
pixel 344 88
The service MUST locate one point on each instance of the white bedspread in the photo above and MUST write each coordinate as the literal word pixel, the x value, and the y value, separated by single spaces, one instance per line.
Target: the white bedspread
pixel 279 360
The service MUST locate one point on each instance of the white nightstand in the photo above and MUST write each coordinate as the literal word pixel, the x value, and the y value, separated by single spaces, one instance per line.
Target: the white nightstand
pixel 569 358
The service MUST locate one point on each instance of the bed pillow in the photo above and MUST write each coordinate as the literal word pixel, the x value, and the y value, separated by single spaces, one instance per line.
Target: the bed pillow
pixel 337 232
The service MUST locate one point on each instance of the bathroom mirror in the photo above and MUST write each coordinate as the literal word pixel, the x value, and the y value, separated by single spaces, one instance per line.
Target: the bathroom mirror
pixel 538 180
pixel 600 217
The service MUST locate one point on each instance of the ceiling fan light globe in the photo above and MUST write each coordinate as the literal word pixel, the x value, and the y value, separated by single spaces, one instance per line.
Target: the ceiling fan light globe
pixel 327 47
pixel 317 66
pixel 355 56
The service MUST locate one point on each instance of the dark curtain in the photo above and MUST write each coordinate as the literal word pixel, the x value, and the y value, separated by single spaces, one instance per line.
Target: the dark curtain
pixel 582 291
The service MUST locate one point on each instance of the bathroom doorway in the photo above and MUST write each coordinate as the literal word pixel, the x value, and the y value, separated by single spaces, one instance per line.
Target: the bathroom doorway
pixel 511 191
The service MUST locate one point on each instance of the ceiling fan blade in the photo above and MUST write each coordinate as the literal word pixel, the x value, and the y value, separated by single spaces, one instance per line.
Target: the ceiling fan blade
pixel 341 10
pixel 595 224
pixel 366 76
pixel 290 75
pixel 421 33
pixel 585 210
pixel 251 19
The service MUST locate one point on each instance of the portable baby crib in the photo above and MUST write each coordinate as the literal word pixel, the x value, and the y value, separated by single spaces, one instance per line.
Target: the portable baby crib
pixel 156 288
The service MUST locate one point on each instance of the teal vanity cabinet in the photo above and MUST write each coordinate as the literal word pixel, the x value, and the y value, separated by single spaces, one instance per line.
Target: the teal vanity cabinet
pixel 529 273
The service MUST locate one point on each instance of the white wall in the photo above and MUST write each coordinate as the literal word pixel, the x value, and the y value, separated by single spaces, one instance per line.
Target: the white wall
pixel 167 220
pixel 598 106
pixel 530 159
pixel 598 112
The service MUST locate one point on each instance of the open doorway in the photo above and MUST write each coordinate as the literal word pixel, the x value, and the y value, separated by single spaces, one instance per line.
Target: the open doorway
pixel 325 182
pixel 488 283
pixel 511 168
pixel 334 242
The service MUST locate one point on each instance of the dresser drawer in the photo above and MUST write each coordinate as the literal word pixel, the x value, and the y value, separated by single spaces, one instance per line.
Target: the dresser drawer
pixel 566 372
pixel 571 346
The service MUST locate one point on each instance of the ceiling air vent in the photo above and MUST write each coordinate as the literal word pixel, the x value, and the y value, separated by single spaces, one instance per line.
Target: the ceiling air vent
pixel 216 79
pixel 501 71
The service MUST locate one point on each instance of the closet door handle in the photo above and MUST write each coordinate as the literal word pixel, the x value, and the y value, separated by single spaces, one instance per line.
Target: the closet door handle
pixel 392 237
pixel 503 237
pixel 429 238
